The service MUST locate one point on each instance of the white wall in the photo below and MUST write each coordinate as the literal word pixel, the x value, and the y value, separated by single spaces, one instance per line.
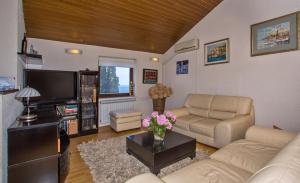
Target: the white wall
pixel 271 80
pixel 8 37
pixel 12 26
pixel 55 58
pixel 11 35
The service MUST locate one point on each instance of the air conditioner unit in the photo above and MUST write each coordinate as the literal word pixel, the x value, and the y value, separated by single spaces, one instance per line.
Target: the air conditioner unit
pixel 187 46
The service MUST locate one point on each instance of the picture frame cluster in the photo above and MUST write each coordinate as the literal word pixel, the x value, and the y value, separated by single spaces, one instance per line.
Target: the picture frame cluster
pixel 268 37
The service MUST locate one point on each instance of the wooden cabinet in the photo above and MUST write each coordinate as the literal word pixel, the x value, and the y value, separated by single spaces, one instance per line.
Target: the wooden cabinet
pixel 33 150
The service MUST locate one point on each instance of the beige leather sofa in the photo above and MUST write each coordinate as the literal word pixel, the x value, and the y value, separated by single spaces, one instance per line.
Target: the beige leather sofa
pixel 213 119
pixel 264 156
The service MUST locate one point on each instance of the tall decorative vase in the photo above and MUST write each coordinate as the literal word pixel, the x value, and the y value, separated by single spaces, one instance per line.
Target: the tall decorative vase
pixel 159 105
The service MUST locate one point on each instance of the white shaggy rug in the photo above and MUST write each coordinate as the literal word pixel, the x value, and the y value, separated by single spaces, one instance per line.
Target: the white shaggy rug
pixel 109 162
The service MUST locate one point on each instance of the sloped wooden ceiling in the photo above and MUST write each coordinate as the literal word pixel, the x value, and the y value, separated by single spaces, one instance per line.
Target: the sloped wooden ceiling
pixel 142 25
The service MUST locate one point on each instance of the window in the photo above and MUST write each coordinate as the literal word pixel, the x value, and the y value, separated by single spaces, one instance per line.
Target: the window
pixel 115 81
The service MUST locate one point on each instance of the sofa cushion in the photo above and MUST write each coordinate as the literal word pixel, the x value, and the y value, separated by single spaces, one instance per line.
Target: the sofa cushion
pixel 199 104
pixel 205 126
pixel 248 155
pixel 184 122
pixel 225 103
pixel 208 171
pixel 221 115
pixel 284 167
pixel 226 107
pixel 268 136
pixel 276 174
pixel 199 111
pixel 223 107
pixel 244 106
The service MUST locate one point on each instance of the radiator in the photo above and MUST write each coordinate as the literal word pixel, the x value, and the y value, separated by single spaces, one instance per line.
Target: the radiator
pixel 118 104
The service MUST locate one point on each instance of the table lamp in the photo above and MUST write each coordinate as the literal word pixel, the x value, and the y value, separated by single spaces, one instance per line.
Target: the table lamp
pixel 27 93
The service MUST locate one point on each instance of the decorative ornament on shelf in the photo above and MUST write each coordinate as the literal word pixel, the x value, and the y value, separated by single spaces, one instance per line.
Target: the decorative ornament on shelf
pixel 159 123
pixel 24 45
pixel 159 93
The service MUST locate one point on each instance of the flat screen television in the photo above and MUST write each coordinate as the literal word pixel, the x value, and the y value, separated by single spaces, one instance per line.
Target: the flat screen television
pixel 54 86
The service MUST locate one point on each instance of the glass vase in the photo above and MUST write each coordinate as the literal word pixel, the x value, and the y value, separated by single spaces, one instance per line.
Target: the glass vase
pixel 160 135
pixel 158 138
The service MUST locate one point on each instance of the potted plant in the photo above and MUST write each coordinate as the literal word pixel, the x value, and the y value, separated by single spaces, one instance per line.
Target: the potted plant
pixel 159 93
pixel 159 123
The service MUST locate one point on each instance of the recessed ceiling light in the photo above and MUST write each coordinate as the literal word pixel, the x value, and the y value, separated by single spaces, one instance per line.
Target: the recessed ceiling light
pixel 73 51
pixel 154 59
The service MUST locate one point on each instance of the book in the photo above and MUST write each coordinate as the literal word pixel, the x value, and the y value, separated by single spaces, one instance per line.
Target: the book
pixel 72 127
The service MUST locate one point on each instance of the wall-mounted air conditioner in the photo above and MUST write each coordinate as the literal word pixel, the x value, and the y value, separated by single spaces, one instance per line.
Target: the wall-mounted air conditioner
pixel 187 46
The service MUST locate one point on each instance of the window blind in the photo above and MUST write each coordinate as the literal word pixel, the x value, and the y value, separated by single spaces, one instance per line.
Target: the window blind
pixel 118 62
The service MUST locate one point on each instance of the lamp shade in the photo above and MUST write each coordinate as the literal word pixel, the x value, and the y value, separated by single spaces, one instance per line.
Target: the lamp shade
pixel 28 92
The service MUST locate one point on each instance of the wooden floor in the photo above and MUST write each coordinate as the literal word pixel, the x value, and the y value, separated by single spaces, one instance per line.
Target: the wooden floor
pixel 79 171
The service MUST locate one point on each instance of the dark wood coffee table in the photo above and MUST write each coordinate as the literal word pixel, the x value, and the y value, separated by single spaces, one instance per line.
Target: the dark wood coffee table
pixel 175 147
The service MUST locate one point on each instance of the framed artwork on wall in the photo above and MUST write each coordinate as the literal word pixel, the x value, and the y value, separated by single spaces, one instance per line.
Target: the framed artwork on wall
pixel 275 35
pixel 216 52
pixel 150 76
pixel 182 67
pixel 7 83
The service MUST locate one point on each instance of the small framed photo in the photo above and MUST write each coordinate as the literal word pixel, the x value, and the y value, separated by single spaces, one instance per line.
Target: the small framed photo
pixel 150 76
pixel 274 36
pixel 216 52
pixel 182 67
pixel 7 83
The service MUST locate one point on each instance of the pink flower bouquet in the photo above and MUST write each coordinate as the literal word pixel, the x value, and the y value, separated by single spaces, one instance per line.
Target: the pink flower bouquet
pixel 159 123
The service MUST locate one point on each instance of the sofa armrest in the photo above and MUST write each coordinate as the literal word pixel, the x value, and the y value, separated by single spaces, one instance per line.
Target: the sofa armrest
pixel 180 112
pixel 145 178
pixel 268 136
pixel 232 129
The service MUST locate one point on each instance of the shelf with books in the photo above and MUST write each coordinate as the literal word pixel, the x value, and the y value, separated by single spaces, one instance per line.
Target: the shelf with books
pixel 70 126
pixel 69 118
pixel 67 110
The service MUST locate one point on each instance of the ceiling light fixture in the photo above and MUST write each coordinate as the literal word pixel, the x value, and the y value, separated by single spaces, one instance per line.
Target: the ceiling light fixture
pixel 73 51
pixel 154 59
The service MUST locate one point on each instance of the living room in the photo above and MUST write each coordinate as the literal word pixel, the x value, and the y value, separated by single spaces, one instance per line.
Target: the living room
pixel 245 101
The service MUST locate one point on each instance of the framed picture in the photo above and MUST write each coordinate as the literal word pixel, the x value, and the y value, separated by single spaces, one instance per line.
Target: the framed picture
pixel 6 83
pixel 274 36
pixel 216 52
pixel 182 67
pixel 150 76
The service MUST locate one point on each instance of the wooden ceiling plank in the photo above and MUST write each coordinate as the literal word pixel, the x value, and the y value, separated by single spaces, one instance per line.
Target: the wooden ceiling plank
pixel 116 20
pixel 75 22
pixel 144 25
pixel 155 9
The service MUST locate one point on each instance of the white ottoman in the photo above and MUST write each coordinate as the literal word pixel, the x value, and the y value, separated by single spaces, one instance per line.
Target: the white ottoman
pixel 121 121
